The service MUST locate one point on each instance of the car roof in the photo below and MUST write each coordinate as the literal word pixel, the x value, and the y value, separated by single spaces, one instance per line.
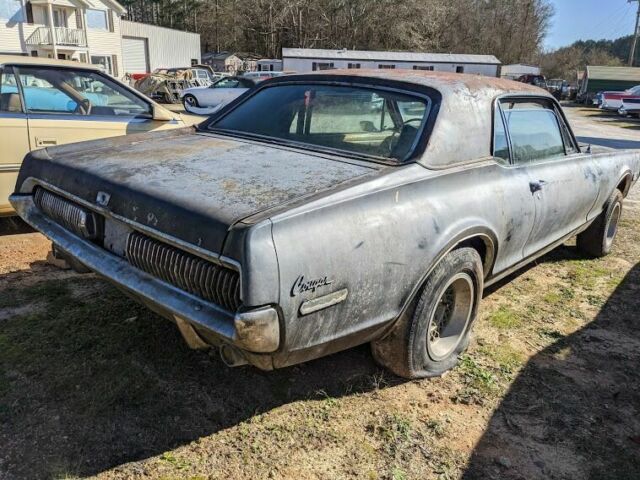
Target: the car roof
pixel 42 62
pixel 441 81
pixel 463 129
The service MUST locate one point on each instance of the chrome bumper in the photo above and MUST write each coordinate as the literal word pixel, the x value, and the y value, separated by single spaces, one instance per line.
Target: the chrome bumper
pixel 255 330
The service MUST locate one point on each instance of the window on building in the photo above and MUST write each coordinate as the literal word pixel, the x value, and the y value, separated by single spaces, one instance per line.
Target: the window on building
pixel 423 67
pixel 459 69
pixel 386 66
pixel 321 66
pixel 97 19
pixel 78 92
pixel 103 61
pixel 353 65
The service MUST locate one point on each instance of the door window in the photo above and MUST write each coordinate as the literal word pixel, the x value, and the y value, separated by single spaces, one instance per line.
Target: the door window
pixel 9 96
pixel 534 130
pixel 78 92
pixel 226 83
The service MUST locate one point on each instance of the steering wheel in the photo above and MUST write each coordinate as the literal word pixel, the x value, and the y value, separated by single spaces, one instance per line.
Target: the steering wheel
pixel 84 107
pixel 419 120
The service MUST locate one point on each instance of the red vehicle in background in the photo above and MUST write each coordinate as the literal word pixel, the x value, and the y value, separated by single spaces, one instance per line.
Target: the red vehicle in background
pixel 613 100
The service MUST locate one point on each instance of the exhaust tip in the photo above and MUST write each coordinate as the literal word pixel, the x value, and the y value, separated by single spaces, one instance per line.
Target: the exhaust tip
pixel 231 356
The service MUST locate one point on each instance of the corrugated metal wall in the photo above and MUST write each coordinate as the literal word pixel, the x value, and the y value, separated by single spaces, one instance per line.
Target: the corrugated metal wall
pixel 166 47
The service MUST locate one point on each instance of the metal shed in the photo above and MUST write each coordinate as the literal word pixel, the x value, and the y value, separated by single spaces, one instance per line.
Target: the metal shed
pixel 601 79
pixel 311 59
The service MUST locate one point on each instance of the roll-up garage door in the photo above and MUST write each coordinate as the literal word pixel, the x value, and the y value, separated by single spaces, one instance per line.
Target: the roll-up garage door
pixel 134 55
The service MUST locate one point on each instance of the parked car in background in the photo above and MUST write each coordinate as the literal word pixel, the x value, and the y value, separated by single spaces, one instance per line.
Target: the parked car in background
pixel 558 88
pixel 207 100
pixel 537 80
pixel 613 100
pixel 630 107
pixel 47 102
pixel 330 222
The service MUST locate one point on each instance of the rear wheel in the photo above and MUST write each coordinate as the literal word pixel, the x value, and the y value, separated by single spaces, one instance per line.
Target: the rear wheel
pixel 597 240
pixel 427 340
pixel 190 101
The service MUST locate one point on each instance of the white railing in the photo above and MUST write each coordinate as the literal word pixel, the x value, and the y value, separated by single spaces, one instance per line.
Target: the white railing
pixel 64 36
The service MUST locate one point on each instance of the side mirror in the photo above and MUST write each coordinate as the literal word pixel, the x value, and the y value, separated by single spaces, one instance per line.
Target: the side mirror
pixel 161 114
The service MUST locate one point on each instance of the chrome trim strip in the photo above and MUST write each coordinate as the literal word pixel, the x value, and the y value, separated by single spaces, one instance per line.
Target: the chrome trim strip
pixel 323 302
pixel 10 167
pixel 89 118
pixel 149 289
pixel 30 183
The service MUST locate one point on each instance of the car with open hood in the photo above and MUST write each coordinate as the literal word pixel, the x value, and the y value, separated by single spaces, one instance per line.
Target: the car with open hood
pixel 322 211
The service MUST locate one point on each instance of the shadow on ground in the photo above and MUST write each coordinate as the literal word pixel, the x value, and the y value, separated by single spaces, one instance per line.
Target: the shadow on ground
pixel 13 226
pixel 90 380
pixel 610 142
pixel 574 410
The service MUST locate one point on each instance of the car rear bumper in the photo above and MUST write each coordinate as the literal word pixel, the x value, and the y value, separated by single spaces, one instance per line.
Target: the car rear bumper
pixel 256 330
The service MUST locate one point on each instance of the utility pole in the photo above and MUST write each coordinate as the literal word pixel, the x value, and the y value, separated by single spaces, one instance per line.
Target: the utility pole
pixel 636 33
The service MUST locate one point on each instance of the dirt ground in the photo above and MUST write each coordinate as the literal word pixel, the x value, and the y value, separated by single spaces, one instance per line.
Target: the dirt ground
pixel 94 385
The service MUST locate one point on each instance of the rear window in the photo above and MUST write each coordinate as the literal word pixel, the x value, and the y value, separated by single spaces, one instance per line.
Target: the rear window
pixel 363 121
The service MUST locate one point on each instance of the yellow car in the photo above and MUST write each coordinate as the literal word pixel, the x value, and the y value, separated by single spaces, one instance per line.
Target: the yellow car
pixel 46 102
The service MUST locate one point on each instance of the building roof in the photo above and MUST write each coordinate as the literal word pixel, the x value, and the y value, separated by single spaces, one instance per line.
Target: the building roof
pixel 319 53
pixel 626 74
pixel 41 61
pixel 217 55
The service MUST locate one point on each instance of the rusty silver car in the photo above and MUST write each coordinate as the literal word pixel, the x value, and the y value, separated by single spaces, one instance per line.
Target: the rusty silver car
pixel 322 211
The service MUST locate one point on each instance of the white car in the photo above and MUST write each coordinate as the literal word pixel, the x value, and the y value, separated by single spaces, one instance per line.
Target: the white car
pixel 207 100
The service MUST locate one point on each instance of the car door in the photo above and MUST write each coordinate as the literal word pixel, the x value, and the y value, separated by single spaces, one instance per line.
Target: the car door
pixel 66 105
pixel 562 180
pixel 14 136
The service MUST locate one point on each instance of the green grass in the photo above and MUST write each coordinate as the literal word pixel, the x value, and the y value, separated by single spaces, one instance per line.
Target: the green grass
pixel 505 318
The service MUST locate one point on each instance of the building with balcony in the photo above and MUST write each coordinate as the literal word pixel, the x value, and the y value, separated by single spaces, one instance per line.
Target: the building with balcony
pixel 92 31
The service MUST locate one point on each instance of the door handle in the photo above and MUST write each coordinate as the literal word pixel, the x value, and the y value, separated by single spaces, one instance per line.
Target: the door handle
pixel 46 142
pixel 536 186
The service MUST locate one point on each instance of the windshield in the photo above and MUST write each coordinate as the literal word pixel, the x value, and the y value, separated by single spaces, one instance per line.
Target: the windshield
pixel 359 120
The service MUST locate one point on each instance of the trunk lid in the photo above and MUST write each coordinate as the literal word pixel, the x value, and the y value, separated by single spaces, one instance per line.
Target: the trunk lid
pixel 191 185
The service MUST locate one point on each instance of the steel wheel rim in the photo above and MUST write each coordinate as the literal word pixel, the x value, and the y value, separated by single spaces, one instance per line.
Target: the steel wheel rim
pixel 612 227
pixel 449 319
pixel 191 101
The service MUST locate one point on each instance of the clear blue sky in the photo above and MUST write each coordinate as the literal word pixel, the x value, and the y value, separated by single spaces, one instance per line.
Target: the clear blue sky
pixel 590 19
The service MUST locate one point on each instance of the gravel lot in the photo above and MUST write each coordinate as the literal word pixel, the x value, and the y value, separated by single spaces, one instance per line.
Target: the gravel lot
pixel 94 385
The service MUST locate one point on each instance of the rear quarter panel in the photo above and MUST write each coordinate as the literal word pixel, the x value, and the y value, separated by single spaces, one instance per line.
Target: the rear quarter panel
pixel 380 239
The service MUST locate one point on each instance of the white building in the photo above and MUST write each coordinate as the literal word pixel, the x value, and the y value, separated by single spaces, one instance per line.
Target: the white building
pixel 516 70
pixel 311 59
pixel 92 31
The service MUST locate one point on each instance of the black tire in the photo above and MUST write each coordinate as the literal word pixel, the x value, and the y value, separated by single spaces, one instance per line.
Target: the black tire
pixel 452 290
pixel 597 240
pixel 190 100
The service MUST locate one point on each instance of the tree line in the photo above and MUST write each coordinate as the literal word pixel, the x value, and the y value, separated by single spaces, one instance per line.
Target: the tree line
pixel 512 30
pixel 566 61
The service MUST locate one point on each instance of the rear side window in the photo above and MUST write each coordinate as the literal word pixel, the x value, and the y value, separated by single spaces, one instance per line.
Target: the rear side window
pixel 534 128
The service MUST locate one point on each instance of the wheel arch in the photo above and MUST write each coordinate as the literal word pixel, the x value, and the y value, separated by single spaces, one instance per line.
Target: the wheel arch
pixel 624 184
pixel 480 238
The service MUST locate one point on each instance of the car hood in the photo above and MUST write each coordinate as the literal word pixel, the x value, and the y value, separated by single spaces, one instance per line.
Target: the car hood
pixel 191 185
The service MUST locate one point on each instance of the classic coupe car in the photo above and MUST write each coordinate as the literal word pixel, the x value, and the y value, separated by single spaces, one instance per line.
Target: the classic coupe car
pixel 46 102
pixel 207 100
pixel 368 206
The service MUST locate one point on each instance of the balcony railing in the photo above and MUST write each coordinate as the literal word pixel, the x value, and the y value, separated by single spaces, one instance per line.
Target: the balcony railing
pixel 64 37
